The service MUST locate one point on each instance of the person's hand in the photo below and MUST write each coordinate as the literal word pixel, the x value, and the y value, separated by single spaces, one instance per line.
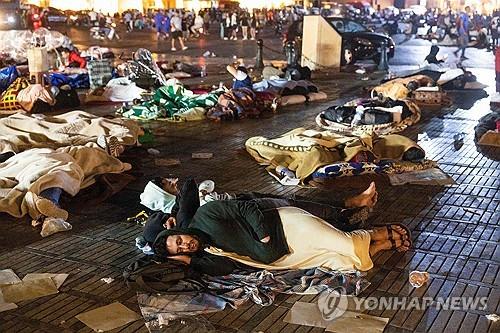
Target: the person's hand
pixel 182 258
pixel 266 239
pixel 170 223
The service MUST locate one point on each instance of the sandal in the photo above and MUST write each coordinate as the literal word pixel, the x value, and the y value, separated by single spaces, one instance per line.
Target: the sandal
pixel 390 230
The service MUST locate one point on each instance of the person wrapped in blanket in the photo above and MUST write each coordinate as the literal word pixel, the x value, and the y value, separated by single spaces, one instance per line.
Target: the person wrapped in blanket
pixel 241 101
pixel 33 181
pixel 262 231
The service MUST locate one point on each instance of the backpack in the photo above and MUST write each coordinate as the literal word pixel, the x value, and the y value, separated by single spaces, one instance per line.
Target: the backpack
pixel 172 277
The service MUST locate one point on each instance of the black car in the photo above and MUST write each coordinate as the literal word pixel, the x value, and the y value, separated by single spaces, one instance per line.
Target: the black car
pixel 55 15
pixel 358 42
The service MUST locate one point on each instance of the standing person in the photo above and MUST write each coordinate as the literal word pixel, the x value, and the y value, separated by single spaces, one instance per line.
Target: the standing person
pixel 234 26
pixel 159 20
pixel 253 26
pixel 206 22
pixel 244 25
pixel 176 28
pixel 127 19
pixel 197 25
pixel 222 24
pixel 228 27
pixel 463 23
pixel 166 25
pixel 494 27
pixel 93 17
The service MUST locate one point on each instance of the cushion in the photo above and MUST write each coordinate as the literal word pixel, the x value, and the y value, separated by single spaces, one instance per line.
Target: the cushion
pixel 8 100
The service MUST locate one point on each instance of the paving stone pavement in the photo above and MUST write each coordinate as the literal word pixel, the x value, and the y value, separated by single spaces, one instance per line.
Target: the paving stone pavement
pixel 455 228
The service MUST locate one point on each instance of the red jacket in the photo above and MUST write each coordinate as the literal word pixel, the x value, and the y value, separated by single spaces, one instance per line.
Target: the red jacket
pixel 75 57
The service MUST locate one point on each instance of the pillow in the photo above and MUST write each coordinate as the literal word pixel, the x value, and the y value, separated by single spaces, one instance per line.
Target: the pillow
pixel 8 100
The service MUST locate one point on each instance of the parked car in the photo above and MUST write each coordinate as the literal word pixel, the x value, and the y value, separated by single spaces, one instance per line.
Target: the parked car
pixel 358 42
pixel 55 15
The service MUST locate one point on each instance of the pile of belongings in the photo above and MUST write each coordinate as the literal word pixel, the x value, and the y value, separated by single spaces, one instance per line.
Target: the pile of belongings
pixel 180 70
pixel 144 71
pixel 369 115
pixel 116 90
pixel 15 43
pixel 487 131
pixel 21 132
pixel 305 151
pixel 21 96
pixel 421 89
pixel 290 91
pixel 174 102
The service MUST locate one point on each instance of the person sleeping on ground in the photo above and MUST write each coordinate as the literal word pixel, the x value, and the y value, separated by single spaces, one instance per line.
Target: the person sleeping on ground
pixel 223 235
pixel 174 208
pixel 31 182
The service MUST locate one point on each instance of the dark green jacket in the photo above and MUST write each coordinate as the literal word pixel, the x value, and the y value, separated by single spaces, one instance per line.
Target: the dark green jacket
pixel 238 226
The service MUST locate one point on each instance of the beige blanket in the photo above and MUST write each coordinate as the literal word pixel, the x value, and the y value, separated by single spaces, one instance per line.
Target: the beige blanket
pixel 303 151
pixel 20 132
pixel 70 168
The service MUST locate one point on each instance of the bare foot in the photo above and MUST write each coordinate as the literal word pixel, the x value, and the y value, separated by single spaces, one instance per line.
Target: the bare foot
pixel 381 233
pixel 399 245
pixel 366 199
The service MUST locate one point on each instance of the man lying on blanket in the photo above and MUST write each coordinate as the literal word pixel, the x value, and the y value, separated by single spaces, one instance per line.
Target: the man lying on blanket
pixel 270 233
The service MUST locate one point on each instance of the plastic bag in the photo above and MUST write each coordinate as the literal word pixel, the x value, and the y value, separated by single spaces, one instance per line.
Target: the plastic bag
pixel 52 225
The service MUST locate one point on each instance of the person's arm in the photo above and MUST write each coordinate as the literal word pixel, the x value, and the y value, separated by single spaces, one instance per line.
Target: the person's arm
pixel 186 204
pixel 241 210
pixel 231 70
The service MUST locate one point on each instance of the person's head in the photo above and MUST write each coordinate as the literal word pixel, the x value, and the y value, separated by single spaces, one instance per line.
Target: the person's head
pixel 65 52
pixel 174 242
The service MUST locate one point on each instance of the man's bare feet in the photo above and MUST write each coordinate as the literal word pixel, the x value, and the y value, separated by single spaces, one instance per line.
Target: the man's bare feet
pixel 368 198
pixel 399 245
pixel 382 233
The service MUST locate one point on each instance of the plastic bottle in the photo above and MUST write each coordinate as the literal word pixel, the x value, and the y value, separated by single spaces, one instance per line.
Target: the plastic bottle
pixel 203 71
pixel 418 279
pixel 284 171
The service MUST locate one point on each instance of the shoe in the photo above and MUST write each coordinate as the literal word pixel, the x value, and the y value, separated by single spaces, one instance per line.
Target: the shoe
pixel 29 199
pixel 110 144
pixel 245 38
pixel 184 48
pixel 235 38
pixel 50 209
pixel 252 38
pixel 225 38
pixel 463 58
pixel 173 49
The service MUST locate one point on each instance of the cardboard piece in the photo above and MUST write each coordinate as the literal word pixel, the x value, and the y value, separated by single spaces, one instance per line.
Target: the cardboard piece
pixel 57 278
pixel 357 322
pixel 308 314
pixel 26 290
pixel 432 176
pixel 108 317
pixel 167 161
pixel 202 155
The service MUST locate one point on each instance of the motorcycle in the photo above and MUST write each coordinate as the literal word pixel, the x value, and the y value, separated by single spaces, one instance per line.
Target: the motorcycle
pixel 108 32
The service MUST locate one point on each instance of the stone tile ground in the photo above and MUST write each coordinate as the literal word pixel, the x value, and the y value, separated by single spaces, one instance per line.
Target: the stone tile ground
pixel 455 229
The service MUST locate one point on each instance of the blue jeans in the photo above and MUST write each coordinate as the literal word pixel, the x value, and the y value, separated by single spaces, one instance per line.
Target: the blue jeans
pixel 53 194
